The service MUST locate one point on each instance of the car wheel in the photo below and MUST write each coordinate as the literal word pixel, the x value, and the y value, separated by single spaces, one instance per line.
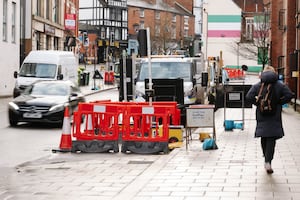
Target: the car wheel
pixel 13 122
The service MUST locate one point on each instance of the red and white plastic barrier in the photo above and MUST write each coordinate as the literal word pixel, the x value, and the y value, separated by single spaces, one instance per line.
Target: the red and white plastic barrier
pixel 98 125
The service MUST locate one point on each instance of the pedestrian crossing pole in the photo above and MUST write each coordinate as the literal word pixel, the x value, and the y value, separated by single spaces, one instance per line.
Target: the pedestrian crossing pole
pixel 149 64
pixel 124 76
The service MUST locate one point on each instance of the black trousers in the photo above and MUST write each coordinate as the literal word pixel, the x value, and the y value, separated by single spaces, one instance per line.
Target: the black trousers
pixel 268 147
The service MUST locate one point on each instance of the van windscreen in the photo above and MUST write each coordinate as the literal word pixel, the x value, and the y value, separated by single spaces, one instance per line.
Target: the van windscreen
pixel 166 70
pixel 38 70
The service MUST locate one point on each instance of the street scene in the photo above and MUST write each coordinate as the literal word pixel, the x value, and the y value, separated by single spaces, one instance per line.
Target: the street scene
pixel 150 99
pixel 30 170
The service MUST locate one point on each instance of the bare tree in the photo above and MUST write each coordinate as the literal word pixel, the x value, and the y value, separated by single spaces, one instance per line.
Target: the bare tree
pixel 254 44
pixel 161 35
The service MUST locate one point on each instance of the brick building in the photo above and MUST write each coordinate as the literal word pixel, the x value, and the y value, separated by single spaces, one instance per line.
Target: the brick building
pixel 171 24
pixel 284 40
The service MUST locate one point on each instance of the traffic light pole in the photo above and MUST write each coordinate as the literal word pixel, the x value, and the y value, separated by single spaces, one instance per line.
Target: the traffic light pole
pixel 124 76
pixel 149 64
pixel 107 52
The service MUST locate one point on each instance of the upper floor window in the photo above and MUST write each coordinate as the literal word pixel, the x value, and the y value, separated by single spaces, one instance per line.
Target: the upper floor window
pixel 136 27
pixel 39 8
pixel 113 14
pixel 186 20
pixel 173 32
pixel 48 10
pixel 13 22
pixel 249 28
pixel 119 14
pixel 142 12
pixel 142 24
pixel 157 15
pixel 157 30
pixel 174 18
pixel 56 11
pixel 281 19
pixel 4 23
pixel 186 33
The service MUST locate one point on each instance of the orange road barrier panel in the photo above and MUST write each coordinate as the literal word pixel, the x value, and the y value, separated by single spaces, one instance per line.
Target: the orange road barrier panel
pixel 146 129
pixel 100 125
pixel 100 132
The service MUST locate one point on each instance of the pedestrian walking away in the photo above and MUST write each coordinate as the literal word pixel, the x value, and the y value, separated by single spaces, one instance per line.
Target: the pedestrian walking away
pixel 269 126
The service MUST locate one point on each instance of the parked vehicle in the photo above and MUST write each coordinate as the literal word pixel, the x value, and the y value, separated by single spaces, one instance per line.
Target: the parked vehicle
pixel 45 101
pixel 46 65
pixel 166 71
pixel 171 67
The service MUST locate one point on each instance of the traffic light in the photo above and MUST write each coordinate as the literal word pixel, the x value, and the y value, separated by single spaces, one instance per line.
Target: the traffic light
pixel 142 39
pixel 200 45
pixel 112 39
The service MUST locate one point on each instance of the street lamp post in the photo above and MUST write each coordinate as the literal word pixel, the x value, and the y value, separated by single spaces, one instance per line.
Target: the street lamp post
pixel 238 54
pixel 206 36
pixel 94 48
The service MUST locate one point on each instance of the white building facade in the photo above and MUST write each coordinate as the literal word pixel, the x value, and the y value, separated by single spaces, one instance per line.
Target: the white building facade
pixel 9 44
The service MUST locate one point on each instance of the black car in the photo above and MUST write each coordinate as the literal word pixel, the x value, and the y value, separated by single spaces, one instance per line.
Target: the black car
pixel 45 101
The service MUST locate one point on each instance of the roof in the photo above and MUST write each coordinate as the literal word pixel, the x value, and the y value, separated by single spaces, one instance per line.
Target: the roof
pixel 159 5
pixel 48 56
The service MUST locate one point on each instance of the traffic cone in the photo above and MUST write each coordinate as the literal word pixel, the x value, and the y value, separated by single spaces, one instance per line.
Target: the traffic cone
pixel 66 140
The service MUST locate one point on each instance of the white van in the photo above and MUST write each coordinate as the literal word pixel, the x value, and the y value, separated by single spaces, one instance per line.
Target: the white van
pixel 171 67
pixel 46 65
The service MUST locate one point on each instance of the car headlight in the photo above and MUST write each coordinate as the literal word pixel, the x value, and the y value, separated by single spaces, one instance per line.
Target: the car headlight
pixel 58 107
pixel 13 105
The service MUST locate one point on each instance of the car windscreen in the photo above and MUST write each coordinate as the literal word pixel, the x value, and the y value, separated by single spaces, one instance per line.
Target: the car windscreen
pixel 48 88
pixel 166 70
pixel 38 70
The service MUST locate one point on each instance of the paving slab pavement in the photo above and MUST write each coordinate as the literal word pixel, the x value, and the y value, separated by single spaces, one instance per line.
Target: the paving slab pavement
pixel 234 171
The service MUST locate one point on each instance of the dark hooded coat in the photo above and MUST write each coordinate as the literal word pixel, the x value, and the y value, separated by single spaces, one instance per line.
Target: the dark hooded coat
pixel 270 125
